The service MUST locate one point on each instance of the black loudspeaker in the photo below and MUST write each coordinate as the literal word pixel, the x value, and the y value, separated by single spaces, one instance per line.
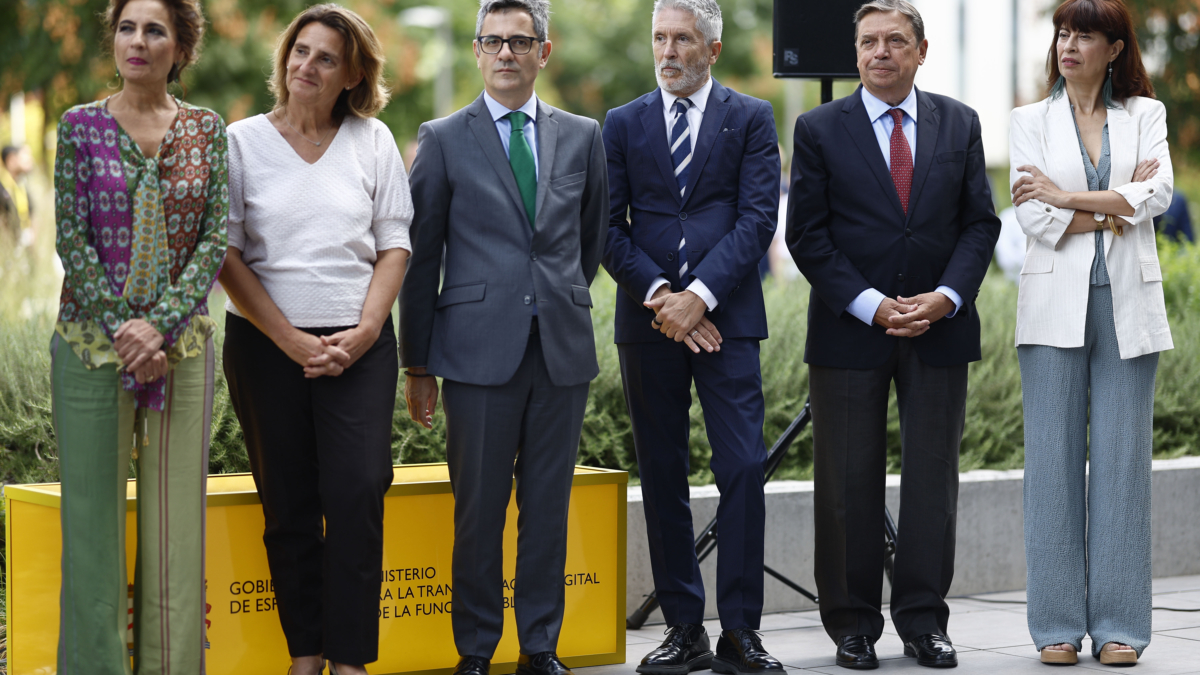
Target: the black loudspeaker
pixel 815 38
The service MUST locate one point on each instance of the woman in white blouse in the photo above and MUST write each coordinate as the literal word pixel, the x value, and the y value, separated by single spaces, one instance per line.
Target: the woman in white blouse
pixel 1091 168
pixel 318 241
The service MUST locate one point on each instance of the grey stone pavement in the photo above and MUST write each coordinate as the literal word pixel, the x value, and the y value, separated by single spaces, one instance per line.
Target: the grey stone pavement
pixel 990 636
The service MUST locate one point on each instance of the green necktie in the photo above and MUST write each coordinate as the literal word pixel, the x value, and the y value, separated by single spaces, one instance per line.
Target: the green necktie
pixel 520 158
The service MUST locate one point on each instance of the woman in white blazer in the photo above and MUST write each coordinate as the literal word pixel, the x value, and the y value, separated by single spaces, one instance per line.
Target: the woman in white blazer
pixel 1091 168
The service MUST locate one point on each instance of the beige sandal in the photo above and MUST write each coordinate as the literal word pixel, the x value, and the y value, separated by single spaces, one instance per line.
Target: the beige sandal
pixel 1117 656
pixel 1060 657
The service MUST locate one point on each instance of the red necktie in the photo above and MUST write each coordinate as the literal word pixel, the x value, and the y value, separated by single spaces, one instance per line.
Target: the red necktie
pixel 902 161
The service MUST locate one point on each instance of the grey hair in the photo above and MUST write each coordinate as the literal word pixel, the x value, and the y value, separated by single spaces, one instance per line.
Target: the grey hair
pixel 903 6
pixel 539 10
pixel 707 13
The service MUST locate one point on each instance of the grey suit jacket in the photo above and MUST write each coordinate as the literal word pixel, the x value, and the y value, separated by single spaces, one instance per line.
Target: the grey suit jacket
pixel 475 328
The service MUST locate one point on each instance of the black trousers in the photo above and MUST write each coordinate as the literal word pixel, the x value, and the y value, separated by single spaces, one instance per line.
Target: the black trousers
pixel 849 409
pixel 320 451
pixel 527 428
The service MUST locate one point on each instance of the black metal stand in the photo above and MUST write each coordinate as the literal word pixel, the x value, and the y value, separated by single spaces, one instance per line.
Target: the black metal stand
pixel 706 543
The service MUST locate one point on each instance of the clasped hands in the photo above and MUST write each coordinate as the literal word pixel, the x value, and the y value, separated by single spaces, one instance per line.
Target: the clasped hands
pixel 680 316
pixel 329 355
pixel 910 317
pixel 139 346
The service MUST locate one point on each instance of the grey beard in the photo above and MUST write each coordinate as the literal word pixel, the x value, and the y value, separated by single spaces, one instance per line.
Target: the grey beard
pixel 691 77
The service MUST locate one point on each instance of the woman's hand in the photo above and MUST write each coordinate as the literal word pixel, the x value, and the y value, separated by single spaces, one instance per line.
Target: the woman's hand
pixel 136 342
pixel 346 347
pixel 152 369
pixel 1145 171
pixel 1037 186
pixel 300 346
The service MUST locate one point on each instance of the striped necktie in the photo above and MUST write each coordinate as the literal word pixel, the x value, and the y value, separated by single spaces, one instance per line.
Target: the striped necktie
pixel 681 157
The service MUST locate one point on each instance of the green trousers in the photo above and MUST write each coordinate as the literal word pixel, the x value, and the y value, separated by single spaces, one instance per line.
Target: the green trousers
pixel 95 421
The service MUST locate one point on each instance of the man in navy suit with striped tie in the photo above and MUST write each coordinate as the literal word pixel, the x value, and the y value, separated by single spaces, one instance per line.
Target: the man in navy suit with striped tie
pixel 694 193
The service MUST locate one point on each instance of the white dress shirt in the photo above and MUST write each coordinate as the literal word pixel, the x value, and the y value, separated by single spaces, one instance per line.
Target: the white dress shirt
pixel 867 303
pixel 504 127
pixel 694 117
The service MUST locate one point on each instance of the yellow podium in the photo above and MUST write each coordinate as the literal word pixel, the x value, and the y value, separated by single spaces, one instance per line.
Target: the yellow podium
pixel 243 631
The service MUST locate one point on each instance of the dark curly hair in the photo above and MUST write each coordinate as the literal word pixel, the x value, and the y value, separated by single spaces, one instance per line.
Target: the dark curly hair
pixel 187 18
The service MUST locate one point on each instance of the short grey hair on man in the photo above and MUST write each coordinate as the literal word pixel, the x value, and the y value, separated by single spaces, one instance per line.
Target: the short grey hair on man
pixel 903 6
pixel 538 9
pixel 707 13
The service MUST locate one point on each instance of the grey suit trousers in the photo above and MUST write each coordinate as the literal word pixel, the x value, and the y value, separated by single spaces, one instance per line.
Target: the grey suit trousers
pixel 537 425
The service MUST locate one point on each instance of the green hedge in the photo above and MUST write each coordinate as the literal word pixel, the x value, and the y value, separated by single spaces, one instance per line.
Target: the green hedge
pixel 992 440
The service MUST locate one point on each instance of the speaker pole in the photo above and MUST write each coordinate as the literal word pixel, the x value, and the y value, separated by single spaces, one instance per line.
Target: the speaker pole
pixel 826 89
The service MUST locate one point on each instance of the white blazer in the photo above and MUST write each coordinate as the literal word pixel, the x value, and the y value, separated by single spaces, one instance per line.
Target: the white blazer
pixel 1053 297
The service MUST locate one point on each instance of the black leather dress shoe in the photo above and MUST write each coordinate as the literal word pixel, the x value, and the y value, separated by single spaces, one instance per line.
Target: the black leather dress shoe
pixel 740 652
pixel 857 652
pixel 542 663
pixel 686 649
pixel 472 665
pixel 932 650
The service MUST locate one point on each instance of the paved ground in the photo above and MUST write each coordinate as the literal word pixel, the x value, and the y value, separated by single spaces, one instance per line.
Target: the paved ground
pixel 991 637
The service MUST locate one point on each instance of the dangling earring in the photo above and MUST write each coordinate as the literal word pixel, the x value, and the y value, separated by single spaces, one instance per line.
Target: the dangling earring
pixel 173 76
pixel 1107 91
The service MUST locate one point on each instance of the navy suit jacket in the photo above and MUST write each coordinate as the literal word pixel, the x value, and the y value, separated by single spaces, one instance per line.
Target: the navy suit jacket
pixel 847 231
pixel 729 210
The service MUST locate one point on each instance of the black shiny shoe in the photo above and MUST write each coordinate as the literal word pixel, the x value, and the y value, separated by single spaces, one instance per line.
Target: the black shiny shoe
pixel 932 650
pixel 472 665
pixel 740 652
pixel 542 663
pixel 856 652
pixel 686 649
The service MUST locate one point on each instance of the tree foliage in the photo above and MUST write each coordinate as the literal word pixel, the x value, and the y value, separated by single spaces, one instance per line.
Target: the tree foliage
pixel 601 56
pixel 1169 33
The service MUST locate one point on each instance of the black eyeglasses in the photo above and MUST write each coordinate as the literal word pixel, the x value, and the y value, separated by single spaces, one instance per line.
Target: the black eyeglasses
pixel 492 44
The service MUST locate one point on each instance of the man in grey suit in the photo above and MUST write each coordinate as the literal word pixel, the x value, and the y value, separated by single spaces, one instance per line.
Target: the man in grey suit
pixel 515 193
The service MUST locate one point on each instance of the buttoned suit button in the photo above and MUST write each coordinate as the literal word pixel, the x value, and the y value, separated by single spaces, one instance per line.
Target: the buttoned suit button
pixel 670 257
pixel 899 277
pixel 908 233
pixel 683 215
pixel 533 255
pixel 528 299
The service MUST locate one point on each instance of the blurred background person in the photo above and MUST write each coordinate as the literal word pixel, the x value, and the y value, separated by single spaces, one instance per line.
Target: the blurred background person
pixel 142 236
pixel 318 243
pixel 15 208
pixel 1176 223
pixel 1091 168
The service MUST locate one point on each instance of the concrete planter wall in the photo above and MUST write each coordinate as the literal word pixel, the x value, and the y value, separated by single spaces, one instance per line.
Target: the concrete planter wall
pixel 990 551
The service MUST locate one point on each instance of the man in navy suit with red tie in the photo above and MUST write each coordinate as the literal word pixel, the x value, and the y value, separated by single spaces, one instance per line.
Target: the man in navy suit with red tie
pixel 694 193
pixel 890 219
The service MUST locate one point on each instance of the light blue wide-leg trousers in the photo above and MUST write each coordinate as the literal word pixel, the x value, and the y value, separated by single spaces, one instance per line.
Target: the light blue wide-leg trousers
pixel 1087 532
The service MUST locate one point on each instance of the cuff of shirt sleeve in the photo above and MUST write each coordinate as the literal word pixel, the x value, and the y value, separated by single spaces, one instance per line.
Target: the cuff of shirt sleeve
pixel 654 285
pixel 865 305
pixel 1057 221
pixel 706 295
pixel 1136 193
pixel 954 297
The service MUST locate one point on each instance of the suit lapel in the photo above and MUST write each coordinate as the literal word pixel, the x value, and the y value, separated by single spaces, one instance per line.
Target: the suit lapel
pixel 1123 153
pixel 711 124
pixel 484 129
pixel 547 140
pixel 928 125
pixel 859 126
pixel 655 126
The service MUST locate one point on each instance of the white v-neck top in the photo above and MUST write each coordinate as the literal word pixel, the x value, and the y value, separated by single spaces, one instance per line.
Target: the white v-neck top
pixel 310 231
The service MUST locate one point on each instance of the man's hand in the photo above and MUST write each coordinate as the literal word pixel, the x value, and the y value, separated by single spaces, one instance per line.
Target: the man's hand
pixel 421 394
pixel 926 309
pixel 678 313
pixel 890 314
pixel 136 342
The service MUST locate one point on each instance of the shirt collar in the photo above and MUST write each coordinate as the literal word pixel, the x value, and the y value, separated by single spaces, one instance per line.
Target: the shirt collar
pixel 698 99
pixel 499 110
pixel 877 108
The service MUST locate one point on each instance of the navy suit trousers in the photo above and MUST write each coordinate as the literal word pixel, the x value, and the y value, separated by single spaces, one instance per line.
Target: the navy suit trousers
pixel 657 378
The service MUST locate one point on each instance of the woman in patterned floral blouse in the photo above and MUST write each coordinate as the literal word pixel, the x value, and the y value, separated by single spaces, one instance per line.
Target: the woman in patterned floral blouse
pixel 141 204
